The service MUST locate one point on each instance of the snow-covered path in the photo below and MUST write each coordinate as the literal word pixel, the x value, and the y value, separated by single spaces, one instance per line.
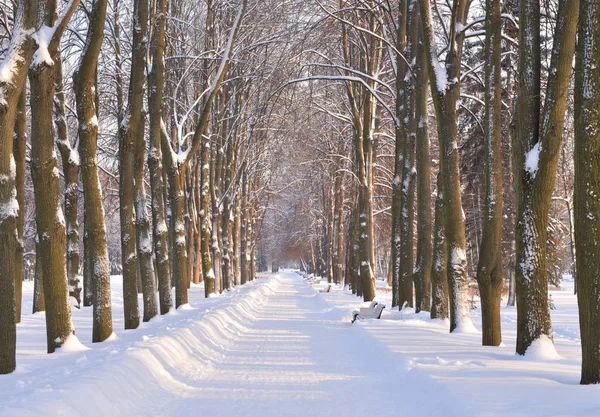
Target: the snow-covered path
pixel 295 358
pixel 276 348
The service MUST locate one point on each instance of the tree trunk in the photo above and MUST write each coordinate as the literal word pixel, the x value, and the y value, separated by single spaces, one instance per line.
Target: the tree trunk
pixel 19 52
pixel 207 261
pixel 70 162
pixel 127 215
pixel 407 193
pixel 136 131
pixel 84 81
pixel 155 92
pixel 50 221
pixel 535 151
pixel 20 151
pixel 439 276
pixel 587 188
pixel 445 91
pixel 399 151
pixel 177 200
pixel 39 303
pixel 489 269
pixel 422 274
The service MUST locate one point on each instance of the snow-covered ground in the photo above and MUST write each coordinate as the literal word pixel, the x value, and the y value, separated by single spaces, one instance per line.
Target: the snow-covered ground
pixel 278 347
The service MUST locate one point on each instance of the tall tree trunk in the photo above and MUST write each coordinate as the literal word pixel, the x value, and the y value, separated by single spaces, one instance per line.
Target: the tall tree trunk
pixel 339 244
pixel 422 275
pixel 19 52
pixel 399 151
pixel 70 163
pixel 136 129
pixel 20 151
pixel 39 303
pixel 84 81
pixel 177 200
pixel 587 187
pixel 535 151
pixel 407 193
pixel 49 216
pixel 445 91
pixel 236 240
pixel 207 261
pixel 439 275
pixel 127 214
pixel 489 268
pixel 156 79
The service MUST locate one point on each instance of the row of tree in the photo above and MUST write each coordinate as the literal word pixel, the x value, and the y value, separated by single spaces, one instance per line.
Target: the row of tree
pixel 160 103
pixel 497 79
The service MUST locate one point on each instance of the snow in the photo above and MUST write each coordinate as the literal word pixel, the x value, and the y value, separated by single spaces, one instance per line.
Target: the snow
pixel 278 347
pixel 532 159
pixel 41 56
pixel 72 345
pixel 542 349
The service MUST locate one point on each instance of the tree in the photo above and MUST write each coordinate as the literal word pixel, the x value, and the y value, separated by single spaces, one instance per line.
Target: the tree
pixel 489 268
pixel 51 227
pixel 84 82
pixel 445 91
pixel 587 187
pixel 156 80
pixel 14 72
pixel 536 148
pixel 422 273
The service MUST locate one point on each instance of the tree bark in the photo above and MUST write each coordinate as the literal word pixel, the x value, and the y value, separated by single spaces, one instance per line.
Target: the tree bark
pixel 20 52
pixel 136 129
pixel 70 163
pixel 422 273
pixel 84 81
pixel 39 303
pixel 445 91
pixel 20 151
pixel 399 151
pixel 489 268
pixel 156 79
pixel 587 187
pixel 535 151
pixel 407 193
pixel 439 275
pixel 50 221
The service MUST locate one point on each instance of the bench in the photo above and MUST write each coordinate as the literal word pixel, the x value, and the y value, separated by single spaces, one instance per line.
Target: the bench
pixel 328 289
pixel 372 312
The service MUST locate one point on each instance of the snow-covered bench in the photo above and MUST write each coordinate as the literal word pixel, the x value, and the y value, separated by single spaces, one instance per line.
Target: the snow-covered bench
pixel 328 289
pixel 372 312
